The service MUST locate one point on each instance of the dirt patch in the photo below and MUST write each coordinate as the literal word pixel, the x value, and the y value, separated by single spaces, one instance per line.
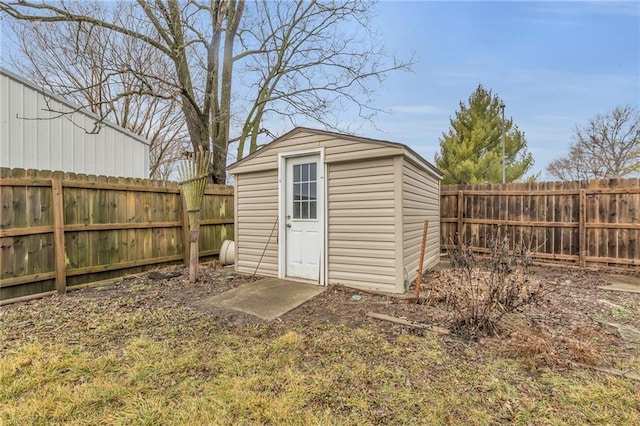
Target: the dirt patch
pixel 568 326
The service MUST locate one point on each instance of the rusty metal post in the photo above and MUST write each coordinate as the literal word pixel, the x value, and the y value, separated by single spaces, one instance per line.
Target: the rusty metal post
pixel 421 262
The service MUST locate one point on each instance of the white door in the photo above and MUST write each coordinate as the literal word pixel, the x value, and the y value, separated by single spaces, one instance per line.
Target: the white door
pixel 303 215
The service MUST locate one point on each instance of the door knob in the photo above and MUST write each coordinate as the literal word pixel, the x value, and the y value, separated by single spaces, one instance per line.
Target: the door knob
pixel 288 225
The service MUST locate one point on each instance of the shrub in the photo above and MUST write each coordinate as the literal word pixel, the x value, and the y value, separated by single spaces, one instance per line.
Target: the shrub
pixel 485 289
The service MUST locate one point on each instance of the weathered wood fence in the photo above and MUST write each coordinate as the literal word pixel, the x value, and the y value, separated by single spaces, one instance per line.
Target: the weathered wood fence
pixel 588 224
pixel 62 230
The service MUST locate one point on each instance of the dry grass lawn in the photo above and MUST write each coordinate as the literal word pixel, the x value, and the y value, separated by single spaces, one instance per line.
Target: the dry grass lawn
pixel 116 360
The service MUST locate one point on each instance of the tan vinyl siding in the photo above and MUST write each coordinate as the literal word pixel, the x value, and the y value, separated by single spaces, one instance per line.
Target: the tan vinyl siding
pixel 420 201
pixel 256 212
pixel 336 150
pixel 361 247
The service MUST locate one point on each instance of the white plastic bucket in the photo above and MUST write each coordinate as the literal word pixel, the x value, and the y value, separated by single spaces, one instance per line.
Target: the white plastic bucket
pixel 228 252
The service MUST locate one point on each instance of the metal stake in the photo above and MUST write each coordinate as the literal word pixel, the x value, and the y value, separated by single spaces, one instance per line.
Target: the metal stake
pixel 504 174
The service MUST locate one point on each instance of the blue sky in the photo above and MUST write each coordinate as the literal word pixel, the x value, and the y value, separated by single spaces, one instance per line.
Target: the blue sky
pixel 555 65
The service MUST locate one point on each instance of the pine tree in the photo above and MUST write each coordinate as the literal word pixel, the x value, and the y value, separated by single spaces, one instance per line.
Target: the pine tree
pixel 471 152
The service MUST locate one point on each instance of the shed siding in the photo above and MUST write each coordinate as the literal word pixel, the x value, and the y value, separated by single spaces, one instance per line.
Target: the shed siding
pixel 361 224
pixel 336 150
pixel 31 137
pixel 420 201
pixel 256 213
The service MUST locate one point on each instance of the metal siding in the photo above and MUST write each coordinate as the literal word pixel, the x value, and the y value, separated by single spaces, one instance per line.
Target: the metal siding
pixel 43 140
pixel 112 156
pixel 120 159
pixel 256 213
pixel 147 162
pixel 66 141
pixel 361 222
pixel 99 153
pixel 4 120
pixel 32 138
pixel 31 144
pixel 76 136
pixel 129 160
pixel 16 144
pixel 421 200
pixel 91 142
pixel 56 161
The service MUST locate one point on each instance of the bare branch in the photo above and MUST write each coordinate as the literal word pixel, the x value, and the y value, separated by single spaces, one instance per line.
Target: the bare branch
pixel 130 61
pixel 607 147
pixel 14 8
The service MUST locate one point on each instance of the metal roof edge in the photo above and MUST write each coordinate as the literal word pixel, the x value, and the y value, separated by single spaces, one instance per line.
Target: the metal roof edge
pixel 78 108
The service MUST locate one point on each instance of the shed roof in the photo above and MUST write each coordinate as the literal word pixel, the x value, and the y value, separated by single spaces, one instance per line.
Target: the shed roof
pixel 406 151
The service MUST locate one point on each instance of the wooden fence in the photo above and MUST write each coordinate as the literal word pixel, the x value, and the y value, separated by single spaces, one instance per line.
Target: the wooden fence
pixel 588 224
pixel 62 230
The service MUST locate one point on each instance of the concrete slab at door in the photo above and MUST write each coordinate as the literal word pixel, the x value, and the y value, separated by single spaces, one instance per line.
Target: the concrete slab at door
pixel 268 298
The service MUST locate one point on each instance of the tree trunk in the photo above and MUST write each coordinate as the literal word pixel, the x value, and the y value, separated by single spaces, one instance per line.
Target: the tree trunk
pixel 198 127
pixel 221 136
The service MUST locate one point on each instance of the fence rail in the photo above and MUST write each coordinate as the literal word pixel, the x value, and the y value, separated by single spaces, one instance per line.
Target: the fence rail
pixel 62 230
pixel 593 223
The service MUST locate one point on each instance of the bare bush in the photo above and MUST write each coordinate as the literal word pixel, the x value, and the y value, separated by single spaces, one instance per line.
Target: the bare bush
pixel 535 347
pixel 538 346
pixel 484 290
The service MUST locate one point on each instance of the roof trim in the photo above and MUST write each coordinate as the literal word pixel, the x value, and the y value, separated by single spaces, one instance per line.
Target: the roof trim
pixel 78 108
pixel 407 151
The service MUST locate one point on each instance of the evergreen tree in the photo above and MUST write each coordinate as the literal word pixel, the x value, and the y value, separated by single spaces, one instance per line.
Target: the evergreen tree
pixel 471 152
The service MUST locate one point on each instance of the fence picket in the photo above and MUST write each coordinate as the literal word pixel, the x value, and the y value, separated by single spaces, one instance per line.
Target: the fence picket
pixel 589 224
pixel 64 230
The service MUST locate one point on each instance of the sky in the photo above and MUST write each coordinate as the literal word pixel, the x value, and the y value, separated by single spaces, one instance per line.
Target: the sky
pixel 554 64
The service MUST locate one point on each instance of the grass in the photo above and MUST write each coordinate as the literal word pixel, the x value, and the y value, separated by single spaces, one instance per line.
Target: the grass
pixel 171 365
pixel 615 315
pixel 620 314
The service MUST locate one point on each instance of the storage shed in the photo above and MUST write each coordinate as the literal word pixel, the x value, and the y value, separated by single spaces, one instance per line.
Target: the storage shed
pixel 328 208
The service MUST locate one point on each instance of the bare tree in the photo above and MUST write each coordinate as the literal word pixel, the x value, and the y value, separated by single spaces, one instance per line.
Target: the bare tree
pixel 182 33
pixel 300 61
pixel 89 65
pixel 607 147
pixel 310 58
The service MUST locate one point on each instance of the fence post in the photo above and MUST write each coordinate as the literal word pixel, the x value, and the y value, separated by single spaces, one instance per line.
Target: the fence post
pixel 460 216
pixel 58 235
pixel 582 234
pixel 186 239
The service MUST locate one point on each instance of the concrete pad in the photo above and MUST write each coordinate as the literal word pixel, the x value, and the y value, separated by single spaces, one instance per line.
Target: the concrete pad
pixel 622 283
pixel 267 298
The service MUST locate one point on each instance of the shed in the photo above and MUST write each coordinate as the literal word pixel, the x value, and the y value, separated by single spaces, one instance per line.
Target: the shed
pixel 329 208
pixel 39 130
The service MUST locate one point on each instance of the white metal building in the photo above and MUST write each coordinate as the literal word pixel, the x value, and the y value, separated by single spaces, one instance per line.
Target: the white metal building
pixel 328 208
pixel 32 136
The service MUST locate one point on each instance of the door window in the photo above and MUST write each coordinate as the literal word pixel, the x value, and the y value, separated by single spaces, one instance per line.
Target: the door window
pixel 305 191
